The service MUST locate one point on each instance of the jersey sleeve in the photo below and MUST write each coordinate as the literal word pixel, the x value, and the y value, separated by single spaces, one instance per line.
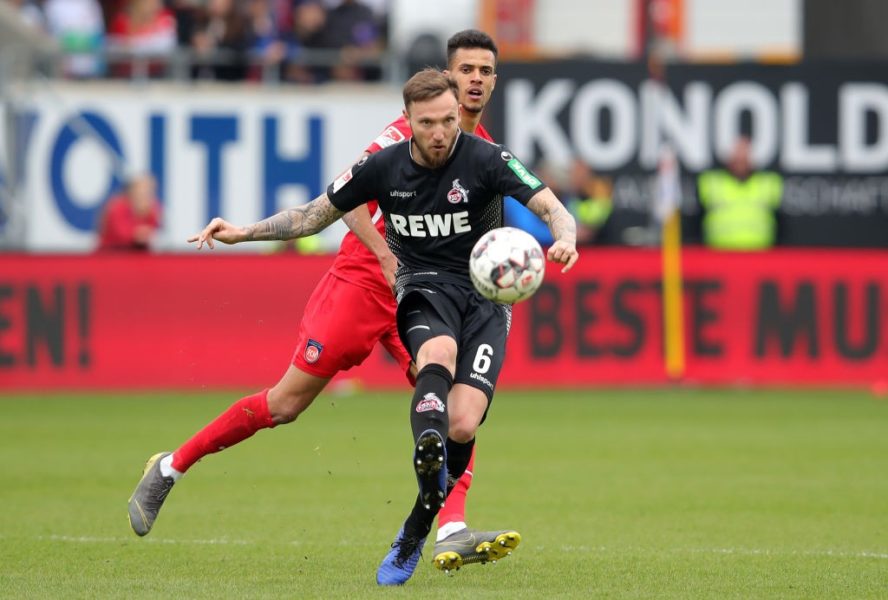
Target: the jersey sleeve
pixel 356 186
pixel 397 132
pixel 512 178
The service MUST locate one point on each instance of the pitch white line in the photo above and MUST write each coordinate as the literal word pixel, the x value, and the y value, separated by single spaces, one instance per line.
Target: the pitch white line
pixel 565 548
pixel 116 540
pixel 739 551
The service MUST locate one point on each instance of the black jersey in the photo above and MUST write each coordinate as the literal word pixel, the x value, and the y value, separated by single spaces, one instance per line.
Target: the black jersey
pixel 433 217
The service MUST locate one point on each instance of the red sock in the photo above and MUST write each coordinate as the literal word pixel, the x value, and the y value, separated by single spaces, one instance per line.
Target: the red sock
pixel 242 419
pixel 454 510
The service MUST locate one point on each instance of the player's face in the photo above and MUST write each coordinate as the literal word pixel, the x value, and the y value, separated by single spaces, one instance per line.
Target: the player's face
pixel 435 123
pixel 473 70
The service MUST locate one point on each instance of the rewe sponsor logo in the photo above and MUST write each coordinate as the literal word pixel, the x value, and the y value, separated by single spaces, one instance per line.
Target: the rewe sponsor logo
pixel 431 225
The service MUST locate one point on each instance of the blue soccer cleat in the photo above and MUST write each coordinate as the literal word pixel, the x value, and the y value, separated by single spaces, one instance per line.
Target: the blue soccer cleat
pixel 430 464
pixel 400 562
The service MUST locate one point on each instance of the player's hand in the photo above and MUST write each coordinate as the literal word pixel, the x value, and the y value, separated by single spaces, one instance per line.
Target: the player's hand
pixel 220 230
pixel 389 265
pixel 564 253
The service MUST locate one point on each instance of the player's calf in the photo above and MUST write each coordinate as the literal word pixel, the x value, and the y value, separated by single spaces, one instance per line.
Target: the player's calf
pixel 430 464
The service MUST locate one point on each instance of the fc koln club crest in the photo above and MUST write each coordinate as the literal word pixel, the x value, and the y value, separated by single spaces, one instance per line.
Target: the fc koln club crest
pixel 430 402
pixel 458 194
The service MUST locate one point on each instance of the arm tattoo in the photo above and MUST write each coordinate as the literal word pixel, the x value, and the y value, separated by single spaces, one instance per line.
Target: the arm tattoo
pixel 561 223
pixel 301 221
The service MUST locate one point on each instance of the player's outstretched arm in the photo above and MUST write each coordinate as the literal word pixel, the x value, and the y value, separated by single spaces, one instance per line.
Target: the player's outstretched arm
pixel 359 221
pixel 562 225
pixel 301 221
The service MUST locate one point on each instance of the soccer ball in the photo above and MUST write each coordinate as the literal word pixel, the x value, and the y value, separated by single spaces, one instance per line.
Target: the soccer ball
pixel 507 265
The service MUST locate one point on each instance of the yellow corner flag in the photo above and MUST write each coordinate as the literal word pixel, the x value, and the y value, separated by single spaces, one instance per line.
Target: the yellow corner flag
pixel 666 209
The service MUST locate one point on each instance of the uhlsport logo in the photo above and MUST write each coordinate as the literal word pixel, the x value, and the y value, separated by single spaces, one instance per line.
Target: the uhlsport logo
pixel 523 174
pixel 458 193
pixel 313 351
pixel 482 379
pixel 430 402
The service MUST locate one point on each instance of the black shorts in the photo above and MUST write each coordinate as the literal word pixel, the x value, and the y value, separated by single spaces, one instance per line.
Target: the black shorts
pixel 479 326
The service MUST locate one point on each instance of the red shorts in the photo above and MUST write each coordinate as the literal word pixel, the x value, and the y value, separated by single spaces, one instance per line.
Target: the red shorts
pixel 341 325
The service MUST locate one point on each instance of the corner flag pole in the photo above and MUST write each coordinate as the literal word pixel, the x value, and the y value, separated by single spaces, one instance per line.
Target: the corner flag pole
pixel 663 27
pixel 673 305
pixel 667 211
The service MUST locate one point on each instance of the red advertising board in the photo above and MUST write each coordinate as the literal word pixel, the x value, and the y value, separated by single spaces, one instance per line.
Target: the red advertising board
pixel 223 320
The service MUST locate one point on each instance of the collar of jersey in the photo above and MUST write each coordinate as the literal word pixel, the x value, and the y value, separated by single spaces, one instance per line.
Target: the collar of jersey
pixel 449 156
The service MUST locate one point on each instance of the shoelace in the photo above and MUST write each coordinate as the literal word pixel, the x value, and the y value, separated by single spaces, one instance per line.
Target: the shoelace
pixel 161 491
pixel 406 546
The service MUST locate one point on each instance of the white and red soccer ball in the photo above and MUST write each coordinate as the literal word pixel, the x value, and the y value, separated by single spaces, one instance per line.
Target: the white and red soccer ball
pixel 507 265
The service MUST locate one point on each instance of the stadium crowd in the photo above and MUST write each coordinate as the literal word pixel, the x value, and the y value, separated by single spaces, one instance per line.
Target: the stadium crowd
pixel 304 41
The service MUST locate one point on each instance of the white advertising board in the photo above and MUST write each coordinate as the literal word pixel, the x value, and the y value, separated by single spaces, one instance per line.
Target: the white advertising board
pixel 240 153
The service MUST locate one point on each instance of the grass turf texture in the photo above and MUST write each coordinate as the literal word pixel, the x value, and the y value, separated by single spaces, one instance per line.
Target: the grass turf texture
pixel 618 494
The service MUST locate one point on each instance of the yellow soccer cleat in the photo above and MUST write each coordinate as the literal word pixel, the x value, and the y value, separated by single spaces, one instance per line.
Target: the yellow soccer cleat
pixel 470 546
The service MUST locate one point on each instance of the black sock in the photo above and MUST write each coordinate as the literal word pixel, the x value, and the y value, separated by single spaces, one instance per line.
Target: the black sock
pixel 429 407
pixel 420 521
pixel 458 457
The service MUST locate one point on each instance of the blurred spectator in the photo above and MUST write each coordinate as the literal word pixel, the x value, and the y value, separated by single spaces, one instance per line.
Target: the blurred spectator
pixel 266 32
pixel 740 205
pixel 348 27
pixel 186 13
pixel 79 28
pixel 221 38
pixel 131 219
pixel 353 29
pixel 309 23
pixel 30 13
pixel 589 198
pixel 142 28
pixel 586 196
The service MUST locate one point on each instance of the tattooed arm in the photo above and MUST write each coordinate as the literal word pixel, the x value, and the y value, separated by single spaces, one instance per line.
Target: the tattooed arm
pixel 562 225
pixel 301 221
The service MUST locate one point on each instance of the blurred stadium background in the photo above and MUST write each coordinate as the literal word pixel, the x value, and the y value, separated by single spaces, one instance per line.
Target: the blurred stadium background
pixel 231 130
pixel 245 123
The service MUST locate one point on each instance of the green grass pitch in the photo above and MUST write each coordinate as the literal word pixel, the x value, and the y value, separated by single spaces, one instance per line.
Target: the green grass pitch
pixel 672 493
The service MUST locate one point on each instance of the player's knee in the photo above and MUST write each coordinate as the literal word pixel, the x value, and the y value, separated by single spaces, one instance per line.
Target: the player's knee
pixel 462 428
pixel 286 406
pixel 440 351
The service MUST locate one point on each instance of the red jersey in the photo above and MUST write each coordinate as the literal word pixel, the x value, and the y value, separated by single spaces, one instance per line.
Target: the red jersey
pixel 122 229
pixel 354 262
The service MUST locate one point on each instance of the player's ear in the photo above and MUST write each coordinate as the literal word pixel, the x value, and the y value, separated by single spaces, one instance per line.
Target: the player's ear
pixel 493 85
pixel 406 114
